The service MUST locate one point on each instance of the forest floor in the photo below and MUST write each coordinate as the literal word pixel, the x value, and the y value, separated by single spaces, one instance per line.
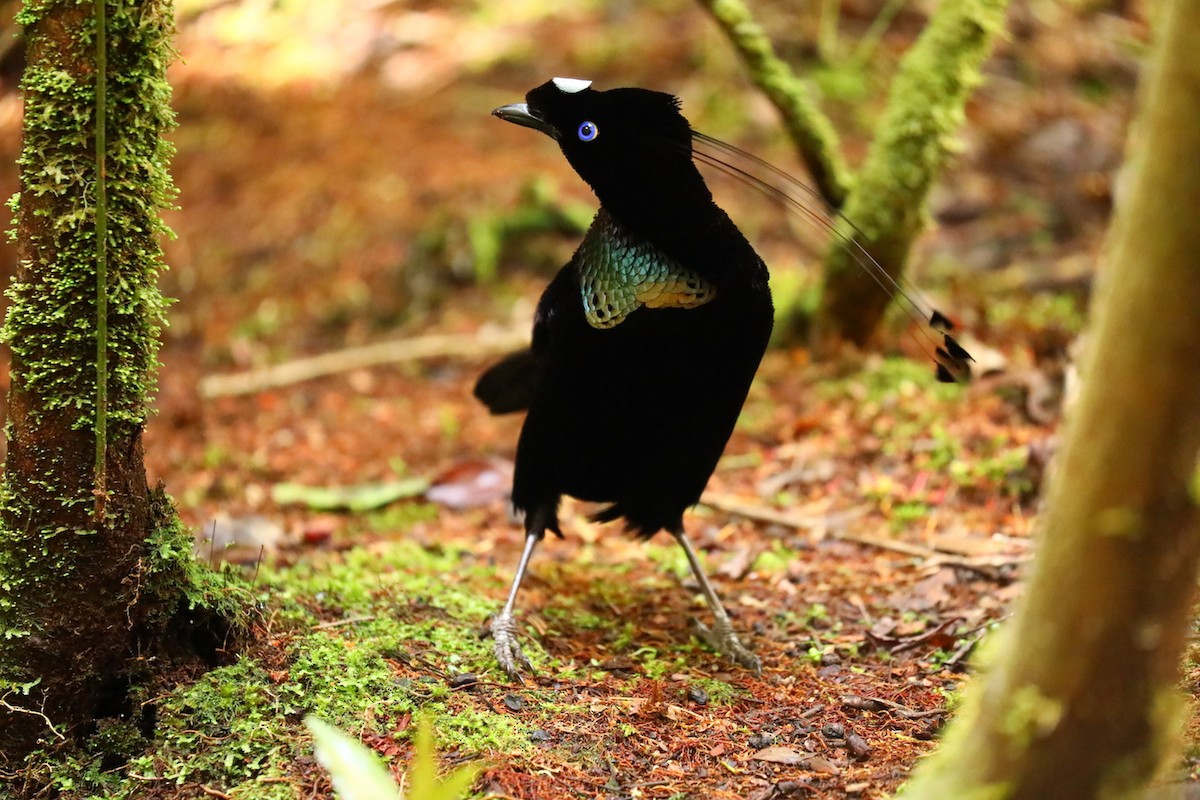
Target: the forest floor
pixel 342 185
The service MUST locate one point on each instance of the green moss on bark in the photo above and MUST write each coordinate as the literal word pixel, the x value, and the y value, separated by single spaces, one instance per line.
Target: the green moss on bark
pixel 88 602
pixel 887 201
pixel 52 313
pixel 1087 670
pixel 811 130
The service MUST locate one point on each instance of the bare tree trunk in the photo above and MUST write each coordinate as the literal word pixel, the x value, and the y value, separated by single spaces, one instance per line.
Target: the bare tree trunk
pixel 84 596
pixel 1078 699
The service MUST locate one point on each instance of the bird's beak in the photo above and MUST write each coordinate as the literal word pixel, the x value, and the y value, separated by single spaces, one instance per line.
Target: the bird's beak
pixel 521 115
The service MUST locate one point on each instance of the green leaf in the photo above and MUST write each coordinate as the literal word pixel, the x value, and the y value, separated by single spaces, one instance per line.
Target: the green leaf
pixel 423 782
pixel 357 772
pixel 364 497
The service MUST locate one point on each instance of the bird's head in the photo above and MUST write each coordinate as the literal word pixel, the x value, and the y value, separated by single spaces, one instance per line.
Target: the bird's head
pixel 628 144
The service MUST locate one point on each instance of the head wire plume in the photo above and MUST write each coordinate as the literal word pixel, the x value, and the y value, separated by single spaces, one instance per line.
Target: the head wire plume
pixel 953 362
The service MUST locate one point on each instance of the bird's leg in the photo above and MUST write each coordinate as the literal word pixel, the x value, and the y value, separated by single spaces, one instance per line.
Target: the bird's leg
pixel 721 636
pixel 504 626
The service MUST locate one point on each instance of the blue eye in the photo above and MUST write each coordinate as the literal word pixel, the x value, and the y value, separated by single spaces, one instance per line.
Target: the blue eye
pixel 587 131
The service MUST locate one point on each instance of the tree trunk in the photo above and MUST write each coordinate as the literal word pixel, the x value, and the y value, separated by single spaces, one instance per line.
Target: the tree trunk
pixel 83 594
pixel 810 130
pixel 887 201
pixel 1085 674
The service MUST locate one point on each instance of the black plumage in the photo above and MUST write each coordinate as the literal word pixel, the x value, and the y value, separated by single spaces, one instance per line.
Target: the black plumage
pixel 644 344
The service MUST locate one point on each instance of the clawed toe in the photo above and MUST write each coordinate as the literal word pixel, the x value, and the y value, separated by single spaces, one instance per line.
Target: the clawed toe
pixel 508 650
pixel 722 639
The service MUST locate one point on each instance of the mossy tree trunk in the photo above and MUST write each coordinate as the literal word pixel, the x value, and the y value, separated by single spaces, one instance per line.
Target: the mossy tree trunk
pixel 812 132
pixel 1078 698
pixel 889 196
pixel 83 593
pixel 886 199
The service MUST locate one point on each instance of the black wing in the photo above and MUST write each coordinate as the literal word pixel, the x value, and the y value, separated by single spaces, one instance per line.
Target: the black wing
pixel 509 386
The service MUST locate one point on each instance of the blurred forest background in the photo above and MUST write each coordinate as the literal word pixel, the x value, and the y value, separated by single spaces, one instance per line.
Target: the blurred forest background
pixel 340 181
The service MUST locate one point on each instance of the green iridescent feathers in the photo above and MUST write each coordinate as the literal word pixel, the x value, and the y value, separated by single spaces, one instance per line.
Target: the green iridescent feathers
pixel 619 274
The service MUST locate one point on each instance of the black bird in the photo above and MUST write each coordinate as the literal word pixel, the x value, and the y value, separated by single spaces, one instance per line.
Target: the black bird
pixel 644 344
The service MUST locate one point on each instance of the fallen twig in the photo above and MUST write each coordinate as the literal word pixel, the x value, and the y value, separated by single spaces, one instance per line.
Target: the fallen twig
pixel 20 710
pixel 893 645
pixel 790 519
pixel 337 623
pixel 828 523
pixel 371 355
pixel 879 704
pixel 971 639
pixel 811 712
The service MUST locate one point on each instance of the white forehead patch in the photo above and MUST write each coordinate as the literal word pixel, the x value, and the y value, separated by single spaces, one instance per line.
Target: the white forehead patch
pixel 570 85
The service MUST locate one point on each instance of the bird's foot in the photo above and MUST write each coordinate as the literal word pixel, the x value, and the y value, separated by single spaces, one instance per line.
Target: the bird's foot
pixel 721 638
pixel 506 647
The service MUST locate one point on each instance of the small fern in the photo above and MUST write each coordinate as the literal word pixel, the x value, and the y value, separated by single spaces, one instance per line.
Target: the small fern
pixel 360 774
